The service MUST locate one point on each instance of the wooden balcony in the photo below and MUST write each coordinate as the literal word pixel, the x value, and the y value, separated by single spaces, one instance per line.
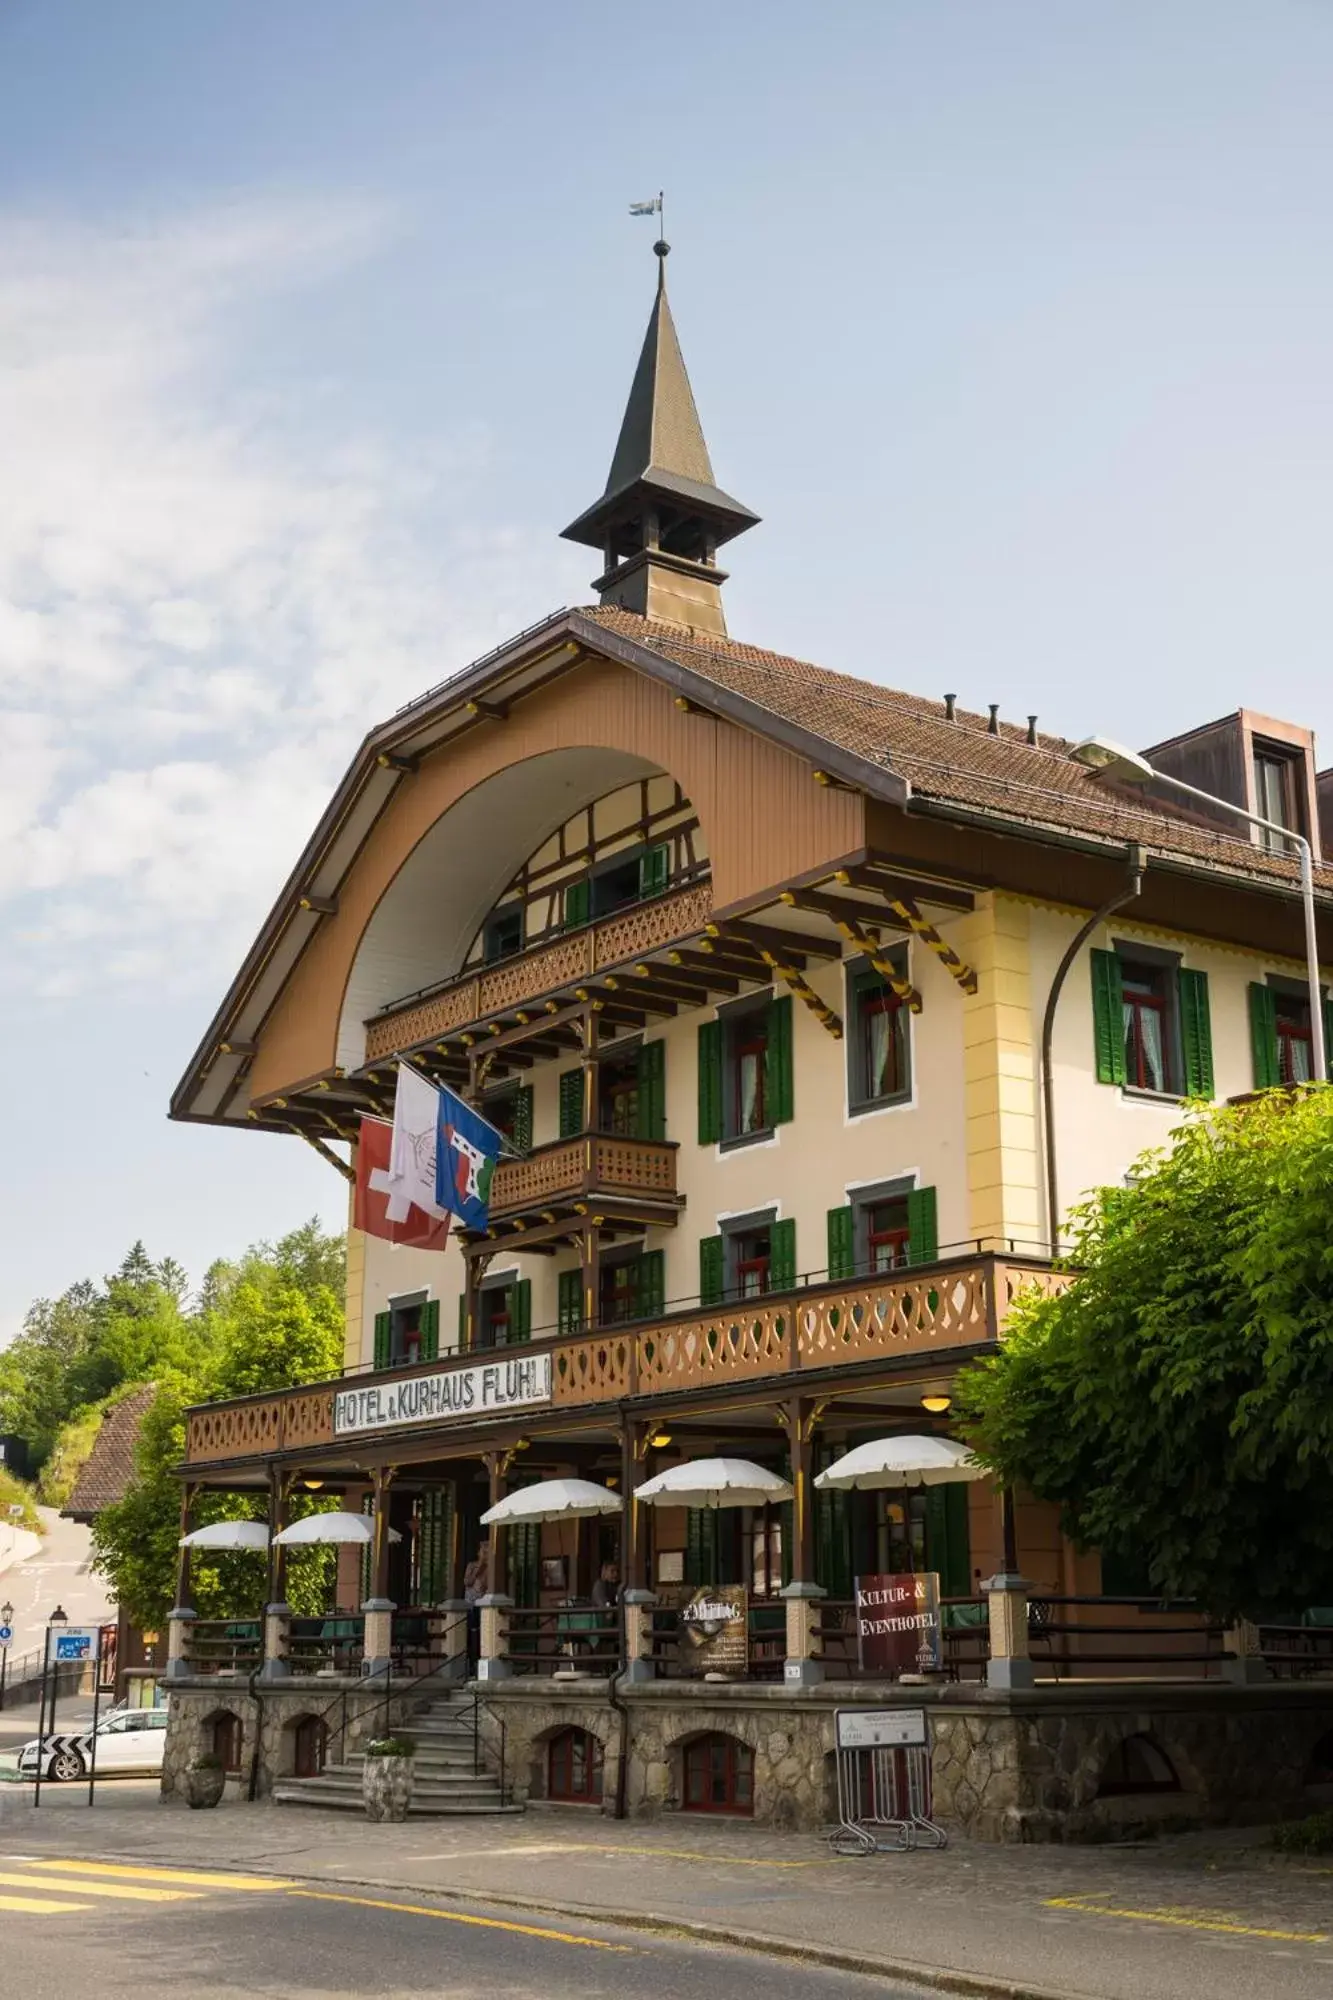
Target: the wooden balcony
pixel 929 1314
pixel 537 974
pixel 595 1165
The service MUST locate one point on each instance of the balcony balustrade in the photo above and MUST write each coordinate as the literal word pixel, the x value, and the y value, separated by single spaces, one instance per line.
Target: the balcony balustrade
pixel 596 1163
pixel 927 1313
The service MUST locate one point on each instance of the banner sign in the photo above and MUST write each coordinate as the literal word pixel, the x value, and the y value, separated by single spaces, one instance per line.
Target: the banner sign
pixel 71 1643
pixel 715 1628
pixel 453 1392
pixel 880 1728
pixel 898 1624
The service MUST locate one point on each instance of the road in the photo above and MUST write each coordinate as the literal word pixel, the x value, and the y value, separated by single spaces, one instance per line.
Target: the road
pixel 120 1930
pixel 58 1574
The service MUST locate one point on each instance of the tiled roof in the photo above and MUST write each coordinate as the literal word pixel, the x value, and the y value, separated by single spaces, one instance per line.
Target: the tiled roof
pixel 960 762
pixel 109 1466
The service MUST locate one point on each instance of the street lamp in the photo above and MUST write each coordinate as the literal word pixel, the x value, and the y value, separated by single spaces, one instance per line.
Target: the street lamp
pixel 7 1620
pixel 1107 759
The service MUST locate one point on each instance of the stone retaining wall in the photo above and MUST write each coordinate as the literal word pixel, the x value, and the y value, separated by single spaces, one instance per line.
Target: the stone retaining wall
pixel 268 1723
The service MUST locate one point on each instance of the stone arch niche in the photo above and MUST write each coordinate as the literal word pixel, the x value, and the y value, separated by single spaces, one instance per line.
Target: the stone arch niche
pixel 224 1737
pixel 427 920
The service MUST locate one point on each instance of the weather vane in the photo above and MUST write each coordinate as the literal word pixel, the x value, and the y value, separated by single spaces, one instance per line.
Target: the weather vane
pixel 654 207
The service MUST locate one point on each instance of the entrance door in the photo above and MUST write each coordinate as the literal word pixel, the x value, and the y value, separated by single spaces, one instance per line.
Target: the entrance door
pixel 310 1747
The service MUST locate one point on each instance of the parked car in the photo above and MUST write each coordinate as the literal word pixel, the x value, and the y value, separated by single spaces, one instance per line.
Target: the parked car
pixel 129 1739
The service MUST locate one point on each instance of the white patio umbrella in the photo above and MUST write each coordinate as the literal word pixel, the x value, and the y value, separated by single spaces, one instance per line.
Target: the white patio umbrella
pixel 901 1461
pixel 228 1535
pixel 340 1528
pixel 715 1482
pixel 552 1500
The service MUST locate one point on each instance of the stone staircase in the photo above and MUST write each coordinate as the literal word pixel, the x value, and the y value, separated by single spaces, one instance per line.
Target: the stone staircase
pixel 445 1781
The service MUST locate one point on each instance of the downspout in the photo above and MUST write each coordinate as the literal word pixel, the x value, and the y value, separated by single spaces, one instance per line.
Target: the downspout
pixel 622 1764
pixel 252 1689
pixel 1134 857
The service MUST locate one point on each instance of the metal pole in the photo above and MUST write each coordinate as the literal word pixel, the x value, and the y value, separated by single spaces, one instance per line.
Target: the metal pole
pixel 97 1710
pixel 41 1722
pixel 4 1672
pixel 1318 1050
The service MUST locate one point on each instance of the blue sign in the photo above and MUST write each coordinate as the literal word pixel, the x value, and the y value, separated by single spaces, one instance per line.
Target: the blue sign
pixel 74 1645
pixel 6 1634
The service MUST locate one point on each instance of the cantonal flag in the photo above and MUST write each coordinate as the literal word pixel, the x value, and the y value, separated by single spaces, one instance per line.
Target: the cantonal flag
pixel 381 1211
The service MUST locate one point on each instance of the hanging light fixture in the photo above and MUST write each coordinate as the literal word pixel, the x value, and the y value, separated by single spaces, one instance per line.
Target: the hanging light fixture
pixel 936 1404
pixel 660 1440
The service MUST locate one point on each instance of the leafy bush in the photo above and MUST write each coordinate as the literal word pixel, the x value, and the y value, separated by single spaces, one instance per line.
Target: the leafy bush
pixel 1306 1836
pixel 14 1493
pixel 391 1746
pixel 205 1761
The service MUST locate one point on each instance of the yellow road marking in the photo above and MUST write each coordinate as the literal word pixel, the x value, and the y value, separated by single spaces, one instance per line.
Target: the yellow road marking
pixel 195 1877
pixel 1182 1920
pixel 459 1917
pixel 37 1906
pixel 81 1886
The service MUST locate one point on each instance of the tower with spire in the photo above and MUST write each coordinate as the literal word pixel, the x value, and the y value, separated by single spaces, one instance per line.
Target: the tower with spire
pixel 662 517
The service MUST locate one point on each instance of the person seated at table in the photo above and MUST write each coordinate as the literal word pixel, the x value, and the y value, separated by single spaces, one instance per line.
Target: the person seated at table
pixel 606 1590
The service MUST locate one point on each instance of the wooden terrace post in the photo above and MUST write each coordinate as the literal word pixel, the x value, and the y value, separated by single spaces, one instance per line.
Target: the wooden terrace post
pixel 453 1640
pixel 638 1601
pixel 497 1603
pixel 590 1068
pixel 1007 1609
pixel 277 1612
pixel 182 1615
pixel 378 1608
pixel 589 1262
pixel 803 1666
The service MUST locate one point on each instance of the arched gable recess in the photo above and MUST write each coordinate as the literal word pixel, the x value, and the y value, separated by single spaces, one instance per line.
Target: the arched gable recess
pixel 763 821
pixel 428 916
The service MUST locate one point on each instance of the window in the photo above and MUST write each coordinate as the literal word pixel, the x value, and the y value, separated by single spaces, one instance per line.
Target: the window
pixel 719 1775
pixel 574 1767
pixel 510 1111
pixel 1151 1022
pixel 1147 1027
pixel 408 1332
pixel 745 1072
pixel 504 1312
pixel 631 1287
pixel 1292 1025
pixel 877 1040
pixel 1277 795
pixel 882 1229
pixel 1280 1038
pixel 503 936
pixel 227 1741
pixel 766 1553
pixel 751 1255
pixel 1137 1764
pixel 618 1105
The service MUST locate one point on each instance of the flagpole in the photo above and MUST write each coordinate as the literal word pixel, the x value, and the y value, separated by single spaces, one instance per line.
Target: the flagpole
pixel 506 1149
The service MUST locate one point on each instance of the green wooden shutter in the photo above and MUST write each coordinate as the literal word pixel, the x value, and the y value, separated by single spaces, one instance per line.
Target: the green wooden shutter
pixel 1108 1017
pixel 1263 1035
pixel 578 904
pixel 520 1310
pixel 710 1082
pixel 569 1310
pixel 650 1284
pixel 1196 1038
pixel 923 1229
pixel 571 1104
pixel 525 1546
pixel 522 1139
pixel 948 1550
pixel 462 1322
pixel 653 871
pixel 701 1550
pixel 430 1330
pixel 842 1242
pixel 652 1090
pixel 782 1255
pixel 383 1339
pixel 781 1092
pixel 711 1271
pixel 433 1538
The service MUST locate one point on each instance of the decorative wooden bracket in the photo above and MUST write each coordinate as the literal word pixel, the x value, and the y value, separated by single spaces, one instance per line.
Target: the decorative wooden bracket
pixel 823 1013
pixel 348 1173
pixel 867 940
pixel 904 907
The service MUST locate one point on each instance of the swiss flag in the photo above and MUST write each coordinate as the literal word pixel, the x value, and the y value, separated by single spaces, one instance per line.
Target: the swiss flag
pixel 371 1209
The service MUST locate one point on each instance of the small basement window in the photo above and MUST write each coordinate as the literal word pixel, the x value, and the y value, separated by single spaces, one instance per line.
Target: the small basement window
pixel 719 1775
pixel 574 1767
pixel 1137 1764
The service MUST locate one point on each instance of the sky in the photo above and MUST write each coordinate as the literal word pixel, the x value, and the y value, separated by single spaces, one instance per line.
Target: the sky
pixel 316 323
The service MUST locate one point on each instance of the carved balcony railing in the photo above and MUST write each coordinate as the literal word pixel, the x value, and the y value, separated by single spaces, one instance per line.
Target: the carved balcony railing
pixel 926 1314
pixel 648 926
pixel 596 1163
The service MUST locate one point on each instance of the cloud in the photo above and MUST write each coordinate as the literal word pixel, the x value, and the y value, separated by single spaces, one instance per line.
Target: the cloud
pixel 205 596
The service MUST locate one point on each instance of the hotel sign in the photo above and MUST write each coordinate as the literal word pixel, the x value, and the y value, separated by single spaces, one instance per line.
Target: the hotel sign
pixel 898 1624
pixel 490 1389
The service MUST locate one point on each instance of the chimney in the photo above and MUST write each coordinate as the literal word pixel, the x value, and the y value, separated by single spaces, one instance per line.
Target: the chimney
pixel 993 726
pixel 949 701
pixel 1032 729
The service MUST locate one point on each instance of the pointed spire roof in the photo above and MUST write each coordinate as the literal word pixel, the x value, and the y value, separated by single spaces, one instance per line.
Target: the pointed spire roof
pixel 661 450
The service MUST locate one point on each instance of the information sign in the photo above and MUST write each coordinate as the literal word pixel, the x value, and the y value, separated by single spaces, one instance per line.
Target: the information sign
pixel 880 1728
pixel 898 1624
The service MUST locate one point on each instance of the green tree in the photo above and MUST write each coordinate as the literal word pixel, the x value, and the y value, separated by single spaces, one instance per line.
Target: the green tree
pixel 38 1366
pixel 1177 1400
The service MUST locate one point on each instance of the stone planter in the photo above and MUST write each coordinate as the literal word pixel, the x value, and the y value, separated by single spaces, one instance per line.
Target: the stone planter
pixel 203 1785
pixel 386 1786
